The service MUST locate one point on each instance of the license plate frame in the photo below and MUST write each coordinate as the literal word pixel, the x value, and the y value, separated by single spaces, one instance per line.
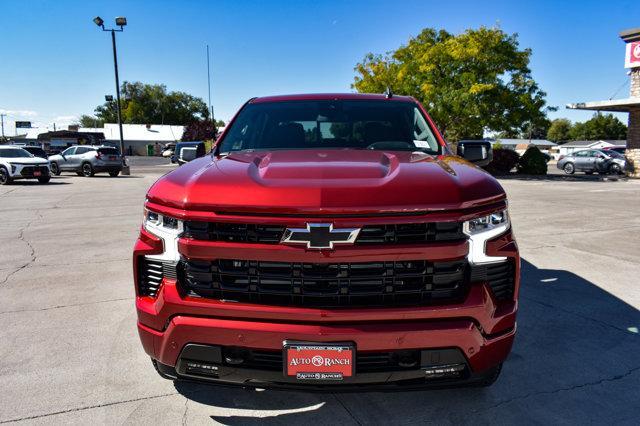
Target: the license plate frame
pixel 318 361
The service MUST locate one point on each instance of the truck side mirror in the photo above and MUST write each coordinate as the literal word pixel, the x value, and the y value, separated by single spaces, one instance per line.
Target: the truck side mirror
pixel 478 152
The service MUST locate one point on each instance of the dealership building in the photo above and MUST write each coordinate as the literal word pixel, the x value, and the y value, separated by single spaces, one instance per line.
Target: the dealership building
pixel 631 104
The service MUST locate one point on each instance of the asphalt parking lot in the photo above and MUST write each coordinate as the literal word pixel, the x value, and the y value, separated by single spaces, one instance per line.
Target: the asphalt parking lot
pixel 70 352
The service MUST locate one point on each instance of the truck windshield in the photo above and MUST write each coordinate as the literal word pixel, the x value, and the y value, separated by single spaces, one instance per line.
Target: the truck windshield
pixel 331 124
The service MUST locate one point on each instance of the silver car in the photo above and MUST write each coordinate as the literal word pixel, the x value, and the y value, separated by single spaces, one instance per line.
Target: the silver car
pixel 87 160
pixel 593 161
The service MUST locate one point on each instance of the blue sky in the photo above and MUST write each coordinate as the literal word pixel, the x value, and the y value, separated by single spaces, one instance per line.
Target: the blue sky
pixel 55 64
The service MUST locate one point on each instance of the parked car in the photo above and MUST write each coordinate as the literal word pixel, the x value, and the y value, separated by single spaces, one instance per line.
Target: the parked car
pixel 36 151
pixel 17 163
pixel 330 241
pixel 618 149
pixel 592 161
pixel 168 150
pixel 87 160
pixel 187 151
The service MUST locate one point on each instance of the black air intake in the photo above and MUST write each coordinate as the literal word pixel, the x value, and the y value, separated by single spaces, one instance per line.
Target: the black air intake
pixel 499 276
pixel 152 272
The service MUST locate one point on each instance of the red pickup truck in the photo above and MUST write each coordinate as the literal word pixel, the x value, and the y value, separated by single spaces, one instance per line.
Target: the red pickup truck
pixel 328 241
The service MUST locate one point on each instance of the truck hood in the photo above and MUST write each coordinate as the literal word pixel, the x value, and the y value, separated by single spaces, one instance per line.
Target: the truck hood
pixel 326 182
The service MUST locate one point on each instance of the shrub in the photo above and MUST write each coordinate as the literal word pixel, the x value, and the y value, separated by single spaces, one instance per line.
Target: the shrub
pixel 503 161
pixel 532 162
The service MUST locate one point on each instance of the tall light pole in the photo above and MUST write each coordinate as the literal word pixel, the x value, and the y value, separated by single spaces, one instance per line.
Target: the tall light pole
pixel 121 21
pixel 209 87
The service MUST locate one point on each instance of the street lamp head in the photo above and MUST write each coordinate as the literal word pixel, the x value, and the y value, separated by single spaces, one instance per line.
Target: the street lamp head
pixel 121 21
pixel 98 20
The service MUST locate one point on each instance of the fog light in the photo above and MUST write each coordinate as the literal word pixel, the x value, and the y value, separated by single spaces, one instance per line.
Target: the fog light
pixel 440 371
pixel 202 369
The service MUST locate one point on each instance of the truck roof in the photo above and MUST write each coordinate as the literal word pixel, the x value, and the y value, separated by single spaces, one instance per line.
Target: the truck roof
pixel 331 96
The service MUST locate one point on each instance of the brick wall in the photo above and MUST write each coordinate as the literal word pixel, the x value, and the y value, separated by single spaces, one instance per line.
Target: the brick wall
pixel 633 139
pixel 635 83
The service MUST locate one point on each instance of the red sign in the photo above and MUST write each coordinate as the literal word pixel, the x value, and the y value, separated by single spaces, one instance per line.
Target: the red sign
pixel 319 362
pixel 632 58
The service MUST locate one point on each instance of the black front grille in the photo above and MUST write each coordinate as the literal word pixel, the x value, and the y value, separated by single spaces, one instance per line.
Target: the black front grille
pixel 28 171
pixel 233 232
pixel 499 276
pixel 326 285
pixel 410 233
pixel 366 362
pixel 151 272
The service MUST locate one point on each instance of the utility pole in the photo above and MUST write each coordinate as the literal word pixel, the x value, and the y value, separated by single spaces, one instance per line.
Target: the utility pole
pixel 121 22
pixel 2 116
pixel 209 86
pixel 125 168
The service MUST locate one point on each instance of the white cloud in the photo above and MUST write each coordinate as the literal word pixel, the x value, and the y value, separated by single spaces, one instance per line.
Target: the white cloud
pixel 17 113
pixel 65 118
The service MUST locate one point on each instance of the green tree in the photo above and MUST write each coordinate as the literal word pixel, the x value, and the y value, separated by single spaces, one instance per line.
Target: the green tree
pixel 473 82
pixel 90 121
pixel 536 130
pixel 199 131
pixel 560 130
pixel 220 123
pixel 152 104
pixel 600 126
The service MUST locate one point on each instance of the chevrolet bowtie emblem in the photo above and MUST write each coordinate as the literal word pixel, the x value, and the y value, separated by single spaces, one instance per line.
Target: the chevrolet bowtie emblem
pixel 320 236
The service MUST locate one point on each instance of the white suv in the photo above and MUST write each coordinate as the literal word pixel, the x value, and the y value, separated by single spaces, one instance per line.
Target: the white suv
pixel 17 163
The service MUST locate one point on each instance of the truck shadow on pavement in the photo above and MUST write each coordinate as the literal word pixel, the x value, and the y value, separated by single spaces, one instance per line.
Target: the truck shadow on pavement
pixel 575 359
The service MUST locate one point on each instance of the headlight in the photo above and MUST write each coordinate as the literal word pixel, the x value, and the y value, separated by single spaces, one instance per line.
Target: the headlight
pixel 482 229
pixel 168 229
pixel 487 223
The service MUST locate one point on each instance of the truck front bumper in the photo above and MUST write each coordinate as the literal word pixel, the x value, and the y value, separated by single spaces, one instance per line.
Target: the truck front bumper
pixel 479 330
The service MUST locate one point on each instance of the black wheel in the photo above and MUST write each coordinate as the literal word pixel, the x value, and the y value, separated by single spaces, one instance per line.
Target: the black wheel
pixel 589 173
pixel 87 170
pixel 569 168
pixel 491 377
pixel 44 179
pixel 55 169
pixel 5 179
pixel 114 174
pixel 615 169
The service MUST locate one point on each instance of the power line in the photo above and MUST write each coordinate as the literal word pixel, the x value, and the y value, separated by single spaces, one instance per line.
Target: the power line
pixel 626 81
